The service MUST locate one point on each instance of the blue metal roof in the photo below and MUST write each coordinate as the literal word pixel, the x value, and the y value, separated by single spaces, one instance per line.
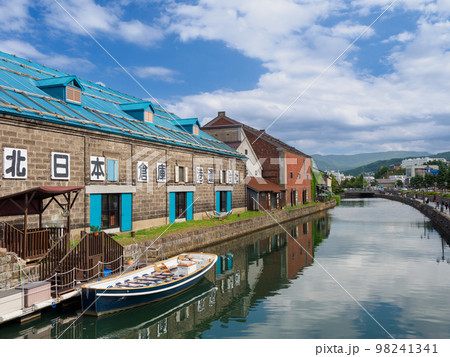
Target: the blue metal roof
pixel 102 109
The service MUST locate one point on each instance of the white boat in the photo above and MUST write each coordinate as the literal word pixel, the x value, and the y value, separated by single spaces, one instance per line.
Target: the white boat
pixel 151 283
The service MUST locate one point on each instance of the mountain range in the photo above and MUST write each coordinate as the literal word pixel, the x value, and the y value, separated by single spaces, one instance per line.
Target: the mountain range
pixel 344 163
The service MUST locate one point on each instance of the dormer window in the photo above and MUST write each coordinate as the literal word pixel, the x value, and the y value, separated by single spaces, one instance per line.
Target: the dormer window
pixel 67 88
pixel 191 126
pixel 142 111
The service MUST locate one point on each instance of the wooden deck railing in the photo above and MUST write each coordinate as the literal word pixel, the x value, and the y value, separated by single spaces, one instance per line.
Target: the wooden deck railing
pixel 51 259
pixel 12 239
pixel 30 246
pixel 86 260
pixel 55 233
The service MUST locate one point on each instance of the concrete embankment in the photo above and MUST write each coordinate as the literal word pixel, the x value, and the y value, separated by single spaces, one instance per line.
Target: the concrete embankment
pixel 200 239
pixel 440 220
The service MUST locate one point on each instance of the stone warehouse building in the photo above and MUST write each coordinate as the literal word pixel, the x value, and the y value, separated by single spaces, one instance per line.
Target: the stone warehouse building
pixel 140 165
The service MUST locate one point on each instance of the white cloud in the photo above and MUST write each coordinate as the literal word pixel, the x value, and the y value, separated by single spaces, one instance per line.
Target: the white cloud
pixel 343 109
pixel 401 37
pixel 158 73
pixel 14 15
pixel 60 62
pixel 98 21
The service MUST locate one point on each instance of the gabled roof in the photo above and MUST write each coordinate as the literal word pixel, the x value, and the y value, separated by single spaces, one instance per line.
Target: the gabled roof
pixel 259 133
pixel 58 81
pixel 259 184
pixel 137 106
pixel 189 121
pixel 100 110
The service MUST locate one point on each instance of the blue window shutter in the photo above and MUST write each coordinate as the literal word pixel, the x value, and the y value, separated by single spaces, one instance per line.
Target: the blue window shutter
pixel 95 210
pixel 190 206
pixel 112 170
pixel 116 170
pixel 171 207
pixel 126 212
pixel 228 201
pixel 218 201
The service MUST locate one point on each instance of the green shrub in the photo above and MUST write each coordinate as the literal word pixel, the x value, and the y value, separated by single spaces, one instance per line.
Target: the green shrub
pixel 337 198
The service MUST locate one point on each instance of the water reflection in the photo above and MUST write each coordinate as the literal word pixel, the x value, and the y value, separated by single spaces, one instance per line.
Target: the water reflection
pixel 269 285
pixel 247 271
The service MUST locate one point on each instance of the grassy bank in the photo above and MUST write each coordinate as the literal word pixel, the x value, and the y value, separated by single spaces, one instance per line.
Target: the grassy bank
pixel 300 206
pixel 182 227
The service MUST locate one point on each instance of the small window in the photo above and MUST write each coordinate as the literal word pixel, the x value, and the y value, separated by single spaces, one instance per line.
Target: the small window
pixel 112 172
pixel 73 94
pixel 246 152
pixel 195 130
pixel 181 174
pixel 148 116
pixel 291 174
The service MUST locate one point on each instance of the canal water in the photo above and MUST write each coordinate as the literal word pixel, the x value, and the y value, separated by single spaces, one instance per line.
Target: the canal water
pixel 370 268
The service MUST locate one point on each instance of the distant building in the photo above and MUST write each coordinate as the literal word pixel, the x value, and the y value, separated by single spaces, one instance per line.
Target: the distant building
pixel 283 165
pixel 337 175
pixel 421 170
pixel 419 161
pixel 234 136
pixel 395 178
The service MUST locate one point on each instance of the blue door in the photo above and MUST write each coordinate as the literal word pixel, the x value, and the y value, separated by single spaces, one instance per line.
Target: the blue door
pixel 218 201
pixel 190 206
pixel 126 212
pixel 95 210
pixel 172 207
pixel 228 201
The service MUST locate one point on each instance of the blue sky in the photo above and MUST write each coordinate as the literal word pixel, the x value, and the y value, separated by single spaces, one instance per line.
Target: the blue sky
pixel 262 61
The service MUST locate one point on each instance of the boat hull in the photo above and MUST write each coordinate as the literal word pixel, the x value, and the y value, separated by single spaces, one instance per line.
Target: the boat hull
pixel 100 301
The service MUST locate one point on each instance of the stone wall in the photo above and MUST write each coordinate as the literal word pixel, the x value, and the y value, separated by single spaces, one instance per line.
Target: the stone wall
pixel 14 272
pixel 440 220
pixel 202 238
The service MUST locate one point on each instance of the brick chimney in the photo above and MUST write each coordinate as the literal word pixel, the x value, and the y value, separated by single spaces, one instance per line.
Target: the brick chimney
pixel 221 114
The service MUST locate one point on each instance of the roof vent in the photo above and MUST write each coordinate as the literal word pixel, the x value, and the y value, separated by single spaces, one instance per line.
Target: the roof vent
pixel 67 88
pixel 191 125
pixel 142 111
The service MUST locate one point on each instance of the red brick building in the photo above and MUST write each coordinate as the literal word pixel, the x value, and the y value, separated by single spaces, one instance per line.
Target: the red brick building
pixel 282 164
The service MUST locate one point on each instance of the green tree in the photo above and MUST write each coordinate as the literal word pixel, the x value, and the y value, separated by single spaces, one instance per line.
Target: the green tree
pixel 335 187
pixel 416 181
pixel 381 172
pixel 429 180
pixel 399 183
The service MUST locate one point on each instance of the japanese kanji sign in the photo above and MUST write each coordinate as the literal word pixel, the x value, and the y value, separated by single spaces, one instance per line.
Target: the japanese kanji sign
pixel 97 168
pixel 161 172
pixel 230 177
pixel 236 177
pixel 15 163
pixel 210 175
pixel 199 174
pixel 60 166
pixel 142 171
